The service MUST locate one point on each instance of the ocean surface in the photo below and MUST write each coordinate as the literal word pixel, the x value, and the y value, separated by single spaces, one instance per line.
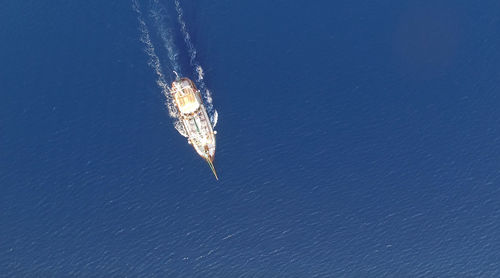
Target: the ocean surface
pixel 355 139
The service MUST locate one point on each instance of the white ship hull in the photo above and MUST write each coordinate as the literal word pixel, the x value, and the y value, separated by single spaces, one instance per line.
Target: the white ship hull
pixel 194 118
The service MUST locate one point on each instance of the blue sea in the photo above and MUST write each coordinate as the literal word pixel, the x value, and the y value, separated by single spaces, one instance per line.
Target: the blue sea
pixel 355 139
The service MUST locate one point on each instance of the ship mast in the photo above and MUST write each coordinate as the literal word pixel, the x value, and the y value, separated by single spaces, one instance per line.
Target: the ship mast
pixel 212 167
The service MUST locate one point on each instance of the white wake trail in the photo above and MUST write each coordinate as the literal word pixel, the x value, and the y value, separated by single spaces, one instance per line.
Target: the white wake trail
pixel 185 33
pixel 207 96
pixel 158 13
pixel 154 63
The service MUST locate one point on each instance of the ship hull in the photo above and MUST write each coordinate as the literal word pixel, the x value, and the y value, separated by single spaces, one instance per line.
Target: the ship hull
pixel 194 117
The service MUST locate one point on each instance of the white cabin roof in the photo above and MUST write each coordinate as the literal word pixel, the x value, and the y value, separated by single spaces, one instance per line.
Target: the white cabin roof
pixel 187 103
pixel 185 97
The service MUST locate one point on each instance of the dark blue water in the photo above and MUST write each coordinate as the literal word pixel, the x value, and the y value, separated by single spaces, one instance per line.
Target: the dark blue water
pixel 355 139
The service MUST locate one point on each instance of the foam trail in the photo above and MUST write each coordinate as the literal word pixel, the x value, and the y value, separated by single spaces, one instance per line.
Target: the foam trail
pixel 158 13
pixel 154 61
pixel 192 59
pixel 200 72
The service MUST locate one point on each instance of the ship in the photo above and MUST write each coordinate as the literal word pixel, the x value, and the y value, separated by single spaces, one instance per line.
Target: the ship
pixel 194 119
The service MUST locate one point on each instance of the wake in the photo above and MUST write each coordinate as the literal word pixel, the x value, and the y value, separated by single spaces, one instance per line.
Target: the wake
pixel 154 63
pixel 158 13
